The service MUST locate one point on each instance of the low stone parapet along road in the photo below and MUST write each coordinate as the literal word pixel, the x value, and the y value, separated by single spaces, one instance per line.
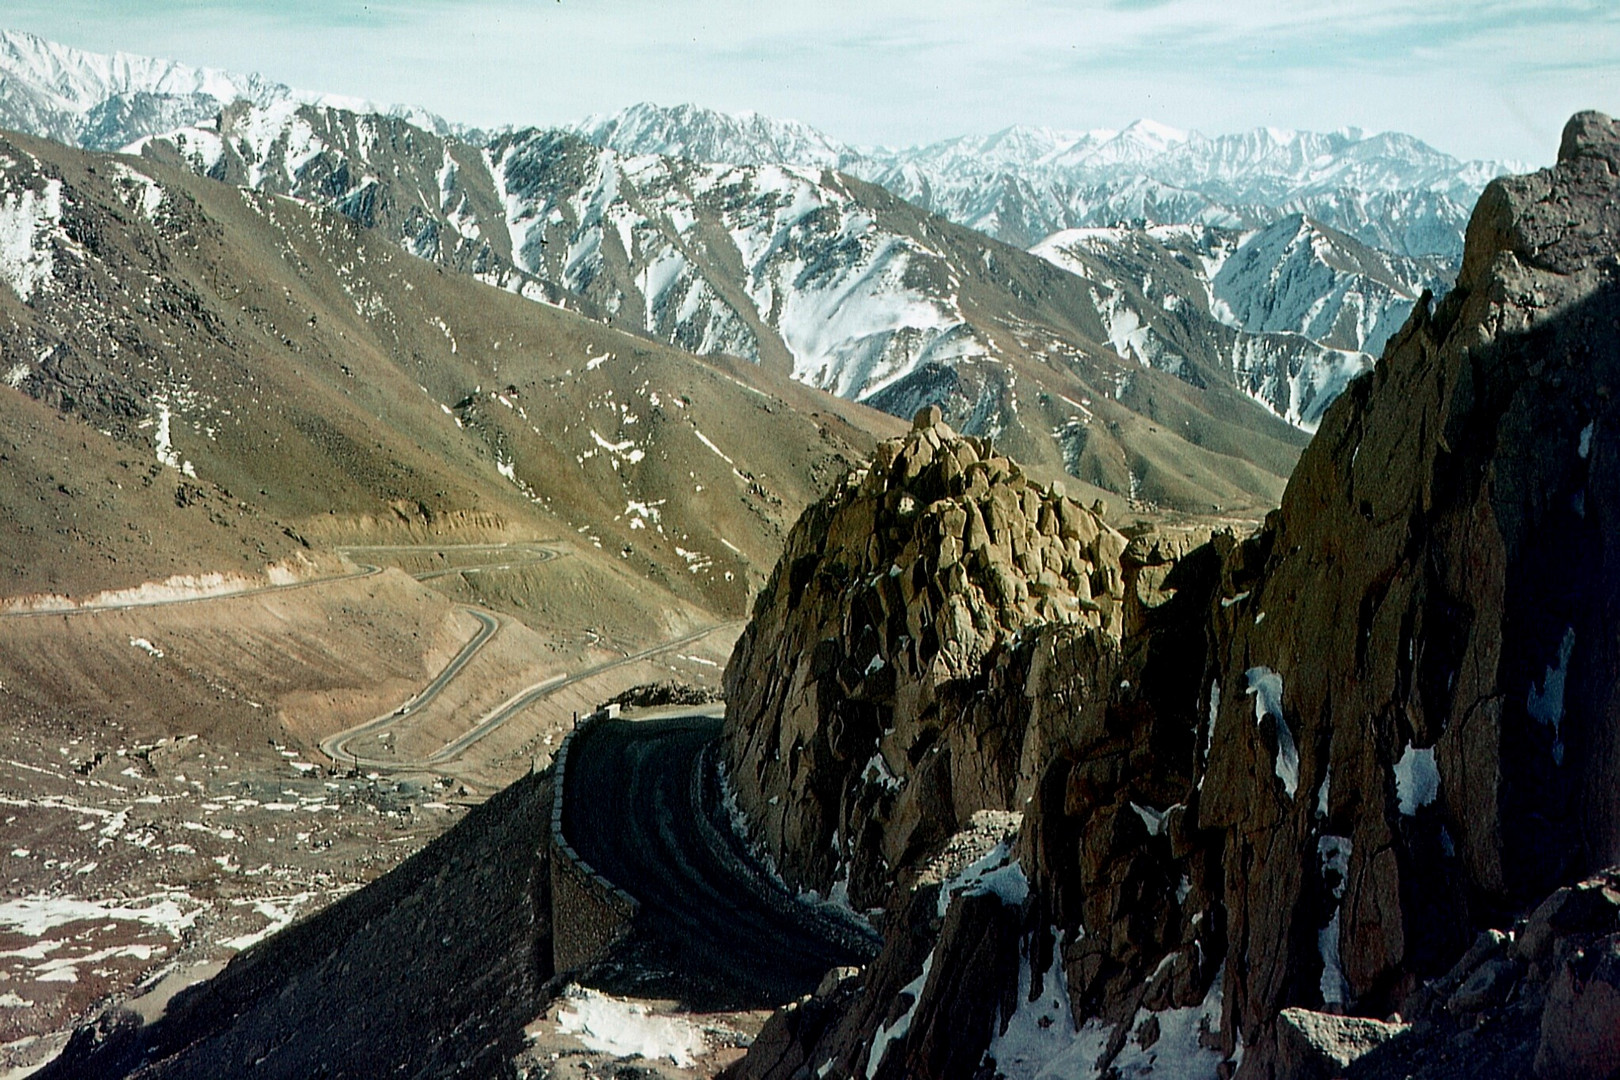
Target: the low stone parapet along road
pixel 642 806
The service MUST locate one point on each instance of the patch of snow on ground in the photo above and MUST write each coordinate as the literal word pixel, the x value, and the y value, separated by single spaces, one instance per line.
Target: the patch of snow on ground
pixel 696 561
pixel 1039 1040
pixel 1214 711
pixel 889 1034
pixel 1153 819
pixel 163 440
pixel 147 192
pixel 26 218
pixel 1417 781
pixel 147 647
pixel 1178 1053
pixel 281 911
pixel 1547 703
pixel 625 451
pixel 625 1029
pixel 1334 852
pixel 997 872
pixel 1266 686
pixel 33 916
pixel 877 771
pixel 706 441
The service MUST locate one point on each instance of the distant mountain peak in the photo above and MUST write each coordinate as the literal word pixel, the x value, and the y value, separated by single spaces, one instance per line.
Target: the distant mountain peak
pixel 109 100
pixel 699 133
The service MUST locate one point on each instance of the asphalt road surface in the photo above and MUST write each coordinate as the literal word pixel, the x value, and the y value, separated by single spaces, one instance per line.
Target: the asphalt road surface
pixel 642 805
pixel 336 746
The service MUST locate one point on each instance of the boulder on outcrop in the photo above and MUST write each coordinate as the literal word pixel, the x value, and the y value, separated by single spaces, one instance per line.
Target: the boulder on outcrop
pixel 1320 1046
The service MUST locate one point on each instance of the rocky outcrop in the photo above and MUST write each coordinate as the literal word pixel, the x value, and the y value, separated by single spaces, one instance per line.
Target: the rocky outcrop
pixel 1429 644
pixel 1298 771
pixel 856 736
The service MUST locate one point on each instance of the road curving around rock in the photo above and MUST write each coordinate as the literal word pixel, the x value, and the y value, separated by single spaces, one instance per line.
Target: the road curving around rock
pixel 643 806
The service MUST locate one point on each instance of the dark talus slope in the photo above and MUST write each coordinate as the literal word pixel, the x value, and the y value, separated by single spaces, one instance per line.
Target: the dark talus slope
pixel 269 365
pixel 1324 757
pixel 432 971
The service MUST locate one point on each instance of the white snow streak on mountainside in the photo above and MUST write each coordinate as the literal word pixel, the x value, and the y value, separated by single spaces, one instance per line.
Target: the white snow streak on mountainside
pixel 1291 277
pixel 817 268
pixel 27 220
pixel 1314 307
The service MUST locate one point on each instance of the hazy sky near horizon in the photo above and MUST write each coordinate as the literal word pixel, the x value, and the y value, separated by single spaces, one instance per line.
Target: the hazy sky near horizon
pixel 1477 78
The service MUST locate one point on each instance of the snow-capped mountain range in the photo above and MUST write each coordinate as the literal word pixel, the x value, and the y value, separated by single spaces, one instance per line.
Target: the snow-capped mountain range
pixel 1022 184
pixel 106 101
pixel 754 237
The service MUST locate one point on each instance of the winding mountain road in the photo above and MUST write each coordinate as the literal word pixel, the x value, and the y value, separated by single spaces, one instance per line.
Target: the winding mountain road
pixel 513 555
pixel 642 804
pixel 526 553
pixel 336 747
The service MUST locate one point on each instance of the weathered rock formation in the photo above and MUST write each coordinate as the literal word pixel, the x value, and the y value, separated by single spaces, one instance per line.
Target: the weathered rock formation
pixel 854 739
pixel 1276 787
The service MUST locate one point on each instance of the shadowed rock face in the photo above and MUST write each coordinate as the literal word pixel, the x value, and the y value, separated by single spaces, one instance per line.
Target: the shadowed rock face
pixel 1392 719
pixel 1441 599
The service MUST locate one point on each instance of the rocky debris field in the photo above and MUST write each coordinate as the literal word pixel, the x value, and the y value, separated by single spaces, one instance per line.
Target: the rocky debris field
pixel 125 863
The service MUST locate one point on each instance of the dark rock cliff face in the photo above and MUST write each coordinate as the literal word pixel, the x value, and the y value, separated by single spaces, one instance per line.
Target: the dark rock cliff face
pixel 1305 769
pixel 1438 602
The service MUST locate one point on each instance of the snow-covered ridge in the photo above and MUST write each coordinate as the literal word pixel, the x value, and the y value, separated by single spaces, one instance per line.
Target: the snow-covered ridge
pixel 1024 183
pixel 697 134
pixel 108 100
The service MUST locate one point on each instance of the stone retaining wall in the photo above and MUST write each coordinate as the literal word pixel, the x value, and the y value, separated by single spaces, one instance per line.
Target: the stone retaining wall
pixel 588 912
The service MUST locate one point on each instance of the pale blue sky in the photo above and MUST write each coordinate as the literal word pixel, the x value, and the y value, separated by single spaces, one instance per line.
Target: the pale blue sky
pixel 1478 78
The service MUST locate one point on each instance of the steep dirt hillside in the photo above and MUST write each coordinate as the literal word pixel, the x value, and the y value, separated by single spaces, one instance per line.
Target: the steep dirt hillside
pixel 307 544
pixel 281 367
pixel 1315 799
pixel 815 274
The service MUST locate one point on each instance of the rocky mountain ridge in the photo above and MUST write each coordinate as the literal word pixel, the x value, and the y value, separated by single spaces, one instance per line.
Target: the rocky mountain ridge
pixel 891 595
pixel 1322 779
pixel 1020 185
pixel 107 101
pixel 808 272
